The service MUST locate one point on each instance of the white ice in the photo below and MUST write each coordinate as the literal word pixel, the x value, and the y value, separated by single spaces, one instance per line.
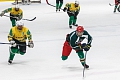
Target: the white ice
pixel 43 62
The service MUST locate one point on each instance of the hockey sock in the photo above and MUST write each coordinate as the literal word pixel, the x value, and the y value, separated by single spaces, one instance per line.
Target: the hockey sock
pixel 115 8
pixel 57 6
pixel 71 20
pixel 12 53
pixel 74 21
pixel 11 56
pixel 82 61
pixel 22 53
pixel 64 57
pixel 13 22
pixel 60 5
pixel 81 56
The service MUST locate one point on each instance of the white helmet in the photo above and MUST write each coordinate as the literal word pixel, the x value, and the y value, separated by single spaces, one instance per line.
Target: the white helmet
pixel 19 23
pixel 17 6
pixel 77 2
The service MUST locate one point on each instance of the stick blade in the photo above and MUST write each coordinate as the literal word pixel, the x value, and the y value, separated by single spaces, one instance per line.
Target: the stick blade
pixel 30 19
pixel 109 4
pixel 33 19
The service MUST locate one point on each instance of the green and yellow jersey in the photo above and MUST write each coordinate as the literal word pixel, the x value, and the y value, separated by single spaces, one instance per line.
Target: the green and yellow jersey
pixel 14 13
pixel 20 35
pixel 71 7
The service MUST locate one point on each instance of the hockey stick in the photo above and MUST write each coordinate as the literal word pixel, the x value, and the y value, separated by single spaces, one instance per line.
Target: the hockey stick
pixel 55 6
pixel 49 3
pixel 84 65
pixel 111 4
pixel 30 19
pixel 10 44
pixel 22 19
pixel 4 43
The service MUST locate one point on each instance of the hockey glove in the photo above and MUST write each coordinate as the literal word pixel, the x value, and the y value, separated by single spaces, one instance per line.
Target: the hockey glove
pixel 2 13
pixel 67 38
pixel 85 46
pixel 13 44
pixel 30 44
pixel 64 9
pixel 17 18
pixel 79 44
pixel 76 13
pixel 71 12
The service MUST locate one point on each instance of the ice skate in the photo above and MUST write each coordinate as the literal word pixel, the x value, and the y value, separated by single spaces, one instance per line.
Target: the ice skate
pixel 70 26
pixel 86 66
pixel 9 61
pixel 56 10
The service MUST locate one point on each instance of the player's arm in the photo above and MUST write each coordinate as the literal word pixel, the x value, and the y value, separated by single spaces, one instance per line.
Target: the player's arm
pixel 30 42
pixel 66 7
pixel 29 36
pixel 20 15
pixel 7 10
pixel 10 35
pixel 77 11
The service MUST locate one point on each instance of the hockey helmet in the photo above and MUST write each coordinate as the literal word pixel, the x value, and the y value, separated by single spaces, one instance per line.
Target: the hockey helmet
pixel 77 2
pixel 17 7
pixel 80 29
pixel 20 25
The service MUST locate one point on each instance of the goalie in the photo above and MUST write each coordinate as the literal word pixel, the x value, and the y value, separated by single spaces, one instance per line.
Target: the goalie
pixel 16 14
pixel 73 41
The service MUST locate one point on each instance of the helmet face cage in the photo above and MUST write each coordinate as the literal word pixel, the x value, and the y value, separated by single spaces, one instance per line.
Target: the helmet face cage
pixel 79 31
pixel 17 7
pixel 19 23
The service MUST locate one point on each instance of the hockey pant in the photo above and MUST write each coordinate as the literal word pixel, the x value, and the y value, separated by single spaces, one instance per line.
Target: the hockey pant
pixel 13 20
pixel 17 50
pixel 59 5
pixel 66 50
pixel 72 18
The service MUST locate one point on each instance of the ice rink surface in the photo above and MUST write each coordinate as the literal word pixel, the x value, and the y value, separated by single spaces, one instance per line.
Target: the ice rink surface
pixel 43 62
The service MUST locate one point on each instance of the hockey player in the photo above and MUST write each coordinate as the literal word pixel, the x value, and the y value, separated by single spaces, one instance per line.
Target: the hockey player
pixel 17 38
pixel 72 11
pixel 74 41
pixel 59 4
pixel 16 14
pixel 117 2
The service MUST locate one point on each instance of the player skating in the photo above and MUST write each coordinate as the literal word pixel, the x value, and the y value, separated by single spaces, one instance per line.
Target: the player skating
pixel 72 11
pixel 74 41
pixel 59 4
pixel 16 14
pixel 17 37
pixel 117 5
